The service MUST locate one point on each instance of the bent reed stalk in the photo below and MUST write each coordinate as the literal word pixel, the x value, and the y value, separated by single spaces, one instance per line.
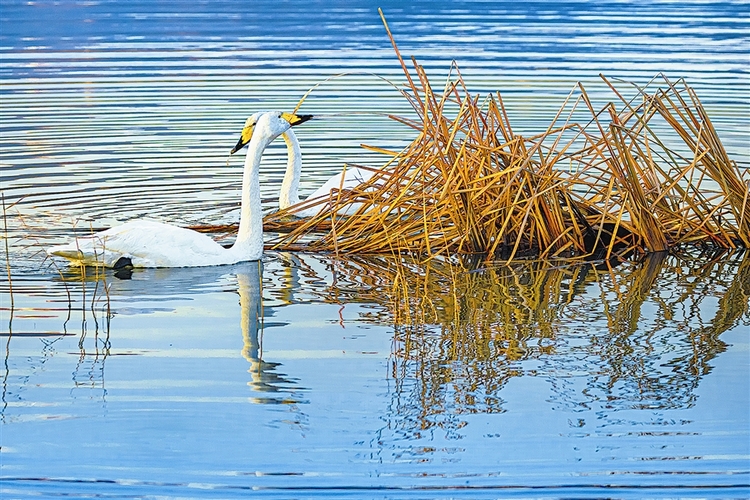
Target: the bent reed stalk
pixel 639 175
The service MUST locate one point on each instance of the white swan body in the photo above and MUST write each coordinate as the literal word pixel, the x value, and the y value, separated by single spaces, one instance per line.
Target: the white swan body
pixel 289 194
pixel 145 243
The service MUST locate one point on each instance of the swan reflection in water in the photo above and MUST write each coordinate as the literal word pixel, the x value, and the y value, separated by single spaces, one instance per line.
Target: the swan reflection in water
pixel 159 288
pixel 264 377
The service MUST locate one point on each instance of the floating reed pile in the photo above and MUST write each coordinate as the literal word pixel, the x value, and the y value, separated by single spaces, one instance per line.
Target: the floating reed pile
pixel 597 183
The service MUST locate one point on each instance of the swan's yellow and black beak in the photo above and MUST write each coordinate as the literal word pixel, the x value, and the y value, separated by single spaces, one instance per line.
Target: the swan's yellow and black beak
pixel 295 119
pixel 245 136
pixel 247 131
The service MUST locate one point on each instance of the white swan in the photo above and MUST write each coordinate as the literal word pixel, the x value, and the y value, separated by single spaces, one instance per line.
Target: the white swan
pixel 289 194
pixel 147 243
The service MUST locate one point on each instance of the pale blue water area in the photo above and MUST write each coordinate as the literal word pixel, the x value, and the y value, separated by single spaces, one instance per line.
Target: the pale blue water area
pixel 306 375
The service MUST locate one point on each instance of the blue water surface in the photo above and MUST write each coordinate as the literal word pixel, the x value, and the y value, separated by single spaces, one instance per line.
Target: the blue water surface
pixel 302 376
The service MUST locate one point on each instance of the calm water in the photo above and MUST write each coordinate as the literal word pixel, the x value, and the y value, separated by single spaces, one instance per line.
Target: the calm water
pixel 307 376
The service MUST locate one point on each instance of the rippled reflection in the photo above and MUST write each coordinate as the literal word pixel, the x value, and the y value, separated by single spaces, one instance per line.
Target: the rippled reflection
pixel 264 375
pixel 611 350
pixel 637 336
pixel 89 300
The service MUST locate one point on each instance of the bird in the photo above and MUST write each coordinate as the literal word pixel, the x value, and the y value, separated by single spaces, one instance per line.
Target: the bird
pixel 148 243
pixel 289 193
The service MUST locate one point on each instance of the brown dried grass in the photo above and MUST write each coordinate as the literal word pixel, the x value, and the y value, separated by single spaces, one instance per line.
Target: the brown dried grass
pixel 605 187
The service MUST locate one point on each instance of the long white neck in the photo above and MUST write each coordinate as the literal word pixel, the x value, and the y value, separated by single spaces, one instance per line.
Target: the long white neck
pixel 289 194
pixel 249 241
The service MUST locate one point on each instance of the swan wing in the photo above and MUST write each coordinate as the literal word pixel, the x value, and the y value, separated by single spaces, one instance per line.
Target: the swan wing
pixel 353 177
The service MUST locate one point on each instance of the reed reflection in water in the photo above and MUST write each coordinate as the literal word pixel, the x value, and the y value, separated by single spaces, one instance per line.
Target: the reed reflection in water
pixel 638 336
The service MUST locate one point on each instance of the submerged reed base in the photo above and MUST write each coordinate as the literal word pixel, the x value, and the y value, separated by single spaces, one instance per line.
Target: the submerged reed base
pixel 637 175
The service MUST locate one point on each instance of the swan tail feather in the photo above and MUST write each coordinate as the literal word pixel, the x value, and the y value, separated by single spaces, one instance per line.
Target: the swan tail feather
pixel 78 256
pixel 65 251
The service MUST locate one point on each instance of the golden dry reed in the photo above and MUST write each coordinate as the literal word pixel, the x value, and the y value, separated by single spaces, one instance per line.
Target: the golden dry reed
pixel 598 183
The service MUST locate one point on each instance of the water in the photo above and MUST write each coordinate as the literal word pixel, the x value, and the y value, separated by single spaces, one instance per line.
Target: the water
pixel 315 377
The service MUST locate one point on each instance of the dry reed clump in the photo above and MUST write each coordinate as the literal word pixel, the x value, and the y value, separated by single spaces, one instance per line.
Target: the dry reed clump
pixel 646 176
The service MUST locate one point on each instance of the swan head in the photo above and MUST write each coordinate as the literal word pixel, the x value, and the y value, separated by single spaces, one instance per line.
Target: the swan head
pixel 269 125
